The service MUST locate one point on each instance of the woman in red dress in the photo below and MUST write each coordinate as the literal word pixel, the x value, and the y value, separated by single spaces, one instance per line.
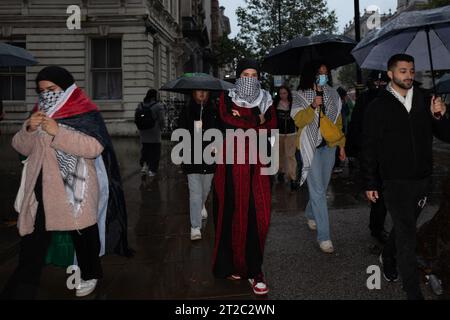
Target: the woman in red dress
pixel 242 193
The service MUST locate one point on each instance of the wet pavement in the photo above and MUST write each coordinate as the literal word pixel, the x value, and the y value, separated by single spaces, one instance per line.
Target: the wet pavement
pixel 168 265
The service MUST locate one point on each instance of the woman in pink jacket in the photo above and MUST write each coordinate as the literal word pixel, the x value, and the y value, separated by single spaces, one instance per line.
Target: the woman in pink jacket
pixel 61 190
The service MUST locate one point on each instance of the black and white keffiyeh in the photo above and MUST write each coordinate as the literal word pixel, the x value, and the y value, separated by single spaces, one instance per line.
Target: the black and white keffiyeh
pixel 73 169
pixel 48 100
pixel 248 94
pixel 310 136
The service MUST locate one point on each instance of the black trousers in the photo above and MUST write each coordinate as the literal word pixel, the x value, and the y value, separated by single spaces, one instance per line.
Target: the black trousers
pixel 377 215
pixel 24 282
pixel 403 201
pixel 150 154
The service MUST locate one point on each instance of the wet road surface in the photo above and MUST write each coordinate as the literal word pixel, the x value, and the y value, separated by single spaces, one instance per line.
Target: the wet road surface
pixel 168 265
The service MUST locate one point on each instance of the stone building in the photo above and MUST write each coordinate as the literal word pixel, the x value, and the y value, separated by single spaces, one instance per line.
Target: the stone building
pixel 119 50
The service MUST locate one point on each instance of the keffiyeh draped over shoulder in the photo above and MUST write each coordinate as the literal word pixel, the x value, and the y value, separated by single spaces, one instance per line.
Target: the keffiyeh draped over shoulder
pixel 310 136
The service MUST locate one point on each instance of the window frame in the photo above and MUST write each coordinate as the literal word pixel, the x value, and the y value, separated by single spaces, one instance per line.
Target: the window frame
pixel 93 70
pixel 11 74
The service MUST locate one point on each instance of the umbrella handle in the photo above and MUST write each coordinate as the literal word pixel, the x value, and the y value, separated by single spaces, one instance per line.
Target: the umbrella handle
pixel 437 115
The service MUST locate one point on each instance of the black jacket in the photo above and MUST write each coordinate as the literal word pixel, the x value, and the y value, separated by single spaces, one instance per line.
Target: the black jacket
pixel 355 127
pixel 286 124
pixel 396 143
pixel 189 114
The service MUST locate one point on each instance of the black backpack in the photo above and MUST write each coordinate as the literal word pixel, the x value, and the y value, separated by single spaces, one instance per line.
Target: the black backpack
pixel 143 117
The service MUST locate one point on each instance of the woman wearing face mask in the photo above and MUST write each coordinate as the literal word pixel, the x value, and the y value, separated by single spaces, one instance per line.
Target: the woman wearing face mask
pixel 68 185
pixel 241 192
pixel 287 130
pixel 314 101
pixel 198 115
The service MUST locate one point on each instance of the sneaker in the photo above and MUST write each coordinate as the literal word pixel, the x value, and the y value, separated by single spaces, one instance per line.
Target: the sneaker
pixel 312 224
pixel 259 285
pixel 204 213
pixel 326 246
pixel 389 268
pixel 150 173
pixel 196 234
pixel 85 287
pixel 144 169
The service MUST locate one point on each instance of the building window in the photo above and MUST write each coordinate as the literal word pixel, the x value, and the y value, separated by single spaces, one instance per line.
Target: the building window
pixel 12 80
pixel 156 63
pixel 106 68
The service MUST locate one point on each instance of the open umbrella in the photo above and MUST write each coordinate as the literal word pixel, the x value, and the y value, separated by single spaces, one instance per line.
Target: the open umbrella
pixel 443 85
pixel 12 56
pixel 291 57
pixel 422 34
pixel 196 81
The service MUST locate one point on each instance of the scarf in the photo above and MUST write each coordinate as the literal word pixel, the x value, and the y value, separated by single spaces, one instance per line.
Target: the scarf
pixel 73 169
pixel 406 101
pixel 310 136
pixel 248 94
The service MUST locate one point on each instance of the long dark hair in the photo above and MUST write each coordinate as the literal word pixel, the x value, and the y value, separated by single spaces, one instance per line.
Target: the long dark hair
pixel 309 74
pixel 152 94
pixel 277 98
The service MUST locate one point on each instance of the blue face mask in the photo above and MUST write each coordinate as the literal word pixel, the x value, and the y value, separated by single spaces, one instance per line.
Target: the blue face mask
pixel 322 80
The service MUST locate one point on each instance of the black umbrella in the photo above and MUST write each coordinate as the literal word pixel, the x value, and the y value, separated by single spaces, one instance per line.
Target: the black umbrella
pixel 290 58
pixel 196 81
pixel 443 85
pixel 12 56
pixel 424 34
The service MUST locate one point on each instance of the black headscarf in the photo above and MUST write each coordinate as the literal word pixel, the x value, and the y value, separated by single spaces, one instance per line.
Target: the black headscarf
pixel 58 75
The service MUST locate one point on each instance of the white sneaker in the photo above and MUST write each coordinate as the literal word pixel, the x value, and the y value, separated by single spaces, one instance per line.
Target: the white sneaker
pixel 86 287
pixel 196 234
pixel 312 224
pixel 204 213
pixel 326 246
pixel 151 173
pixel 144 169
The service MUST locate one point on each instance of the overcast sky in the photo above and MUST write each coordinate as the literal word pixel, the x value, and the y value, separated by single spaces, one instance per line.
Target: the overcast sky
pixel 344 10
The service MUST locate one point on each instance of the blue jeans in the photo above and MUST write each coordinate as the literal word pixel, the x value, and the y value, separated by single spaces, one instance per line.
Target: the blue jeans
pixel 318 179
pixel 199 186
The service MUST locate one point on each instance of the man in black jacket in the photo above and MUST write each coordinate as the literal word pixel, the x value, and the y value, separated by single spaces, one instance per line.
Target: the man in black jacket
pixel 376 83
pixel 397 144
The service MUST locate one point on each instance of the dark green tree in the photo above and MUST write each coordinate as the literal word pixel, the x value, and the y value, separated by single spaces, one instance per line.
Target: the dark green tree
pixel 264 24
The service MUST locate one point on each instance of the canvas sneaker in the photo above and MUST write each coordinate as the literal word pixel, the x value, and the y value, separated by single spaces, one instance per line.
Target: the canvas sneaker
pixel 326 246
pixel 144 169
pixel 204 213
pixel 389 268
pixel 196 234
pixel 85 287
pixel 259 285
pixel 312 224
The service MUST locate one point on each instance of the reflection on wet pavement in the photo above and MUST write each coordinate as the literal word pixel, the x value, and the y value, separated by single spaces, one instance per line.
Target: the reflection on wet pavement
pixel 168 265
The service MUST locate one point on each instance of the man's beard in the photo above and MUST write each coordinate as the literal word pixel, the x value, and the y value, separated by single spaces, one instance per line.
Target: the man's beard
pixel 403 85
